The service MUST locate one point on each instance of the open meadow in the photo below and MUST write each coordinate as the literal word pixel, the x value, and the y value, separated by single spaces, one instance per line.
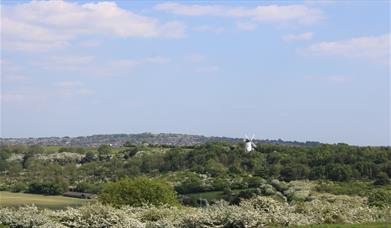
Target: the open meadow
pixel 10 199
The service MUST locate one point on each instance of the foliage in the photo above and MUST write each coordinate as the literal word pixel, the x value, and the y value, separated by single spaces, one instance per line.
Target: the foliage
pixel 380 198
pixel 88 187
pixel 359 188
pixel 19 187
pixel 255 212
pixel 10 199
pixel 89 157
pixel 137 192
pixel 382 179
pixel 47 187
pixel 208 167
pixel 104 151
pixel 191 184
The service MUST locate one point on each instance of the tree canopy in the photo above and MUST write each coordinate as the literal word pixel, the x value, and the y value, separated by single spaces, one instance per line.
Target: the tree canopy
pixel 137 191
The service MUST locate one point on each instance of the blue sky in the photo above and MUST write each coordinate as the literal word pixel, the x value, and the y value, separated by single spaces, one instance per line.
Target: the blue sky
pixel 305 70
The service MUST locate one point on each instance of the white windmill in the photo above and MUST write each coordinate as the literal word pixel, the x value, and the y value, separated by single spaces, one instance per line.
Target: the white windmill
pixel 249 144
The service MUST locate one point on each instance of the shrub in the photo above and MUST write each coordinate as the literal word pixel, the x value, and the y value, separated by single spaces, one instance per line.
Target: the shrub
pixel 88 187
pixel 247 194
pixel 251 213
pixel 137 192
pixel 382 179
pixel 88 157
pixel 192 184
pixel 104 152
pixel 19 187
pixel 255 181
pixel 215 168
pixel 267 189
pixel 219 184
pixel 47 187
pixel 279 185
pixel 379 198
pixel 338 172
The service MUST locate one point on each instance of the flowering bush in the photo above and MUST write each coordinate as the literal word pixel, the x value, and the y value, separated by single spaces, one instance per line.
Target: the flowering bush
pixel 256 212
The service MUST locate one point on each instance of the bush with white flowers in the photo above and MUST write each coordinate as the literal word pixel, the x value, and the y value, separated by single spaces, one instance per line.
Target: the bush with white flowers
pixel 256 212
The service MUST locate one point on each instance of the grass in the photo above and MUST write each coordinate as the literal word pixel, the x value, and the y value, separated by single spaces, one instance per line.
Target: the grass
pixel 359 188
pixel 51 149
pixel 10 199
pixel 366 225
pixel 213 195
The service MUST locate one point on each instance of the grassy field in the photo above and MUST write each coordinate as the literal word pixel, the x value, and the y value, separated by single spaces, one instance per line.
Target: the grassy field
pixel 367 225
pixel 10 199
pixel 213 195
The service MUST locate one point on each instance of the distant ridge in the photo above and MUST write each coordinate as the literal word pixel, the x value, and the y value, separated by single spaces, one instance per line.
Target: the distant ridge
pixel 117 140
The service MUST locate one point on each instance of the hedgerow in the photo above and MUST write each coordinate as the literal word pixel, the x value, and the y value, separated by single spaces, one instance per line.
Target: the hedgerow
pixel 255 212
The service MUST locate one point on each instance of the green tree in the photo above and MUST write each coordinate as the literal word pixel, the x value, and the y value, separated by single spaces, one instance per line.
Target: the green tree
pixel 129 144
pixel 382 179
pixel 295 172
pixel 191 184
pixel 36 149
pixel 104 152
pixel 3 165
pixel 88 187
pixel 339 172
pixel 220 184
pixel 215 168
pixel 32 151
pixel 88 157
pixel 137 191
pixel 56 187
pixel 379 198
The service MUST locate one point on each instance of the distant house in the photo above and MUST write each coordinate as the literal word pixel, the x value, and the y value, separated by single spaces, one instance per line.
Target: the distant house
pixel 82 195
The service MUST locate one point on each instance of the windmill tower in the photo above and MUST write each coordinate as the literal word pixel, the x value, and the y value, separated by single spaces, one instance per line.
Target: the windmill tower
pixel 249 144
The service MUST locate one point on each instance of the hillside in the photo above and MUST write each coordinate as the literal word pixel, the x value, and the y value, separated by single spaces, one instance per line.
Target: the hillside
pixel 117 140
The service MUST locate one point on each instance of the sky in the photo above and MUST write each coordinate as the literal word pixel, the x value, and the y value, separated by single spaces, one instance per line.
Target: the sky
pixel 291 70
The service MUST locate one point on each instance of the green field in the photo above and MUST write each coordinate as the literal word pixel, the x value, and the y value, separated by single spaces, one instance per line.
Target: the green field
pixel 212 195
pixel 367 225
pixel 10 199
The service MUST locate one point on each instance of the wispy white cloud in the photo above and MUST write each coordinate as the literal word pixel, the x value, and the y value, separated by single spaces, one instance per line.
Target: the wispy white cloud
pixel 14 78
pixel 247 26
pixel 156 60
pixel 209 28
pixel 93 66
pixel 72 89
pixel 208 69
pixel 301 36
pixel 25 96
pixel 124 63
pixel 195 57
pixel 320 2
pixel 372 48
pixel 12 97
pixel 339 78
pixel 301 14
pixel 90 43
pixel 64 62
pixel 132 63
pixel 333 79
pixel 12 72
pixel 43 25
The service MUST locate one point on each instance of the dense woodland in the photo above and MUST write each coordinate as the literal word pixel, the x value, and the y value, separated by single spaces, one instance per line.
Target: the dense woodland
pixel 208 167
pixel 217 183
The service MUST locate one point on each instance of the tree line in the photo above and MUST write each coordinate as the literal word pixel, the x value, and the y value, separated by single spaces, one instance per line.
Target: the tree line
pixel 220 162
